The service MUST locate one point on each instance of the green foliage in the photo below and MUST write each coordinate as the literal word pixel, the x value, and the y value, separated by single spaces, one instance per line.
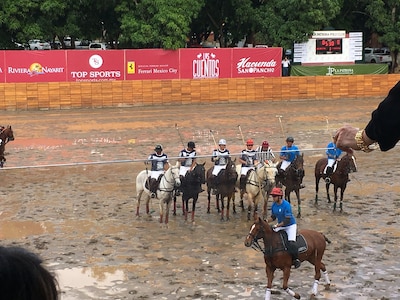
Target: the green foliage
pixel 169 23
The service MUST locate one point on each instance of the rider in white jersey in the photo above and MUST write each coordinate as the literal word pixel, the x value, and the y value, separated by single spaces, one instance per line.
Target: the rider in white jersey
pixel 159 162
pixel 247 158
pixel 220 158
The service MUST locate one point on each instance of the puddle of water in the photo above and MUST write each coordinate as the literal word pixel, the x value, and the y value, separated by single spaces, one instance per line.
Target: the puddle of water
pixel 89 281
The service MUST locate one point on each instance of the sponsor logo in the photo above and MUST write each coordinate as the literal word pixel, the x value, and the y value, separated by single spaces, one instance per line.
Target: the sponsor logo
pixel 246 66
pixel 206 65
pixel 339 71
pixel 95 62
pixel 35 69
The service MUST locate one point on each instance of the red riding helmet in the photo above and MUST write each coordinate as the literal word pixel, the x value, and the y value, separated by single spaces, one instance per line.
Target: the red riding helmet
pixel 276 192
pixel 265 144
pixel 249 142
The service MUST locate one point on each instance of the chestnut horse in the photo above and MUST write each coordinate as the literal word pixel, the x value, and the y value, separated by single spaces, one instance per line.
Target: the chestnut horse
pixel 6 135
pixel 339 178
pixel 191 188
pixel 311 244
pixel 226 181
pixel 292 180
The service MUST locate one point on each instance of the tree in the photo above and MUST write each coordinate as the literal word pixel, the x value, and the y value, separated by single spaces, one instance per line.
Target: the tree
pixel 156 23
pixel 385 20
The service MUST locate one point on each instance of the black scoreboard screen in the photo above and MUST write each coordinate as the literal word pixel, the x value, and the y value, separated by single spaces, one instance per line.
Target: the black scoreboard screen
pixel 328 46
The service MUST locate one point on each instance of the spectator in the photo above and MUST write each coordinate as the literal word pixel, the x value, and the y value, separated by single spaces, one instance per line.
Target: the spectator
pixel 23 277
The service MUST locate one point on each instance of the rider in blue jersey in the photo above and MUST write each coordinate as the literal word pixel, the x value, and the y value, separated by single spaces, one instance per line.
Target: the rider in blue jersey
pixel 282 212
pixel 333 153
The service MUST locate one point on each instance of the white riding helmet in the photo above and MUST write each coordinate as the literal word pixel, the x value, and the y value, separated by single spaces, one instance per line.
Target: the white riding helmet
pixel 222 142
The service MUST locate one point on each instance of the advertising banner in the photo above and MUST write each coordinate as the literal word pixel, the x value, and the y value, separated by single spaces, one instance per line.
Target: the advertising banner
pixel 256 62
pixel 2 66
pixel 199 63
pixel 95 65
pixel 151 64
pixel 34 66
pixel 357 69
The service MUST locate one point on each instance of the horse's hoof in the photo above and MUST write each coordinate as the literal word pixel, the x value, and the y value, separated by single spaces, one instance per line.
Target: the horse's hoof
pixel 327 286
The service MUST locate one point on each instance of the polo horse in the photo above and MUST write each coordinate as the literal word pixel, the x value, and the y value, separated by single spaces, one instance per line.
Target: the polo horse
pixel 191 188
pixel 6 135
pixel 169 181
pixel 311 244
pixel 293 179
pixel 225 186
pixel 339 178
pixel 259 184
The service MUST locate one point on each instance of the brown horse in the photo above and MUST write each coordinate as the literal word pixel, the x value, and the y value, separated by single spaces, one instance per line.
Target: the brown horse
pixel 311 244
pixel 339 178
pixel 292 179
pixel 191 188
pixel 6 135
pixel 225 185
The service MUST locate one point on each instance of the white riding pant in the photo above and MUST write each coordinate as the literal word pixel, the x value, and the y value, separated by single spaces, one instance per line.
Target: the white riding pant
pixel 244 170
pixel 156 174
pixel 291 231
pixel 217 169
pixel 183 170
pixel 331 162
pixel 285 164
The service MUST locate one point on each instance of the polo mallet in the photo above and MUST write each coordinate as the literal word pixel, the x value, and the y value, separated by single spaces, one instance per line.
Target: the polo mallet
pixel 179 133
pixel 328 128
pixel 241 134
pixel 280 123
pixel 215 143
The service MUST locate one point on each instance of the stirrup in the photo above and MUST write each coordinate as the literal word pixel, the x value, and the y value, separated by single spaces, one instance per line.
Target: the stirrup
pixel 296 263
pixel 327 180
pixel 302 186
pixel 213 191
pixel 177 193
pixel 153 195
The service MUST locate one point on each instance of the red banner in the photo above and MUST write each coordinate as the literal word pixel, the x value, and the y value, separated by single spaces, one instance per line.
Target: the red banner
pixel 200 63
pixel 141 64
pixel 152 64
pixel 2 66
pixel 34 66
pixel 95 65
pixel 256 62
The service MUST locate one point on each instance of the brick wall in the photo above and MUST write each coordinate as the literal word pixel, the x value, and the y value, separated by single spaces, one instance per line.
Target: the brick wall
pixel 67 95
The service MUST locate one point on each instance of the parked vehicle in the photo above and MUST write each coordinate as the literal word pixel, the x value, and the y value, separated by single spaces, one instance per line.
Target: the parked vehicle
pixel 83 44
pixel 38 45
pixel 98 46
pixel 377 55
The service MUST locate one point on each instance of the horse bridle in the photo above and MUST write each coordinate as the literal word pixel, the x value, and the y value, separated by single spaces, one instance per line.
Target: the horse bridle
pixel 173 182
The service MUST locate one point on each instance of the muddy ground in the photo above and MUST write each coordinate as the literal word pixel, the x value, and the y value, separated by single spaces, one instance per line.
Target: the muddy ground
pixel 62 198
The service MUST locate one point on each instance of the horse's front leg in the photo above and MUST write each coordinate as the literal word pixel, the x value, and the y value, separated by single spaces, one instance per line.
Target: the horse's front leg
pixel 222 206
pixel 317 178
pixel 194 207
pixel 285 286
pixel 208 199
pixel 341 197
pixel 327 192
pixel 335 188
pixel 139 195
pixel 174 207
pixel 270 277
pixel 298 203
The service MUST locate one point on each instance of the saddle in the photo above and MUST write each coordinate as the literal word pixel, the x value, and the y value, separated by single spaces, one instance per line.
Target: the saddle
pixel 300 241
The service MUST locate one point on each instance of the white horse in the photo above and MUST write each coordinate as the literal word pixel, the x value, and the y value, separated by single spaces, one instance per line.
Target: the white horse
pixel 258 187
pixel 169 181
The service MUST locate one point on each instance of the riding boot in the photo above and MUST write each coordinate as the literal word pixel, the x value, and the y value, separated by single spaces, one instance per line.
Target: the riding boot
pixel 329 171
pixel 294 252
pixel 153 184
pixel 179 190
